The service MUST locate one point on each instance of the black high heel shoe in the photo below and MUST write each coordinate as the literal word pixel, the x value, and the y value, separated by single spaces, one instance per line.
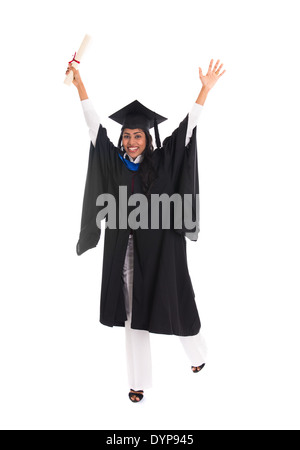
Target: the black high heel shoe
pixel 138 394
pixel 197 369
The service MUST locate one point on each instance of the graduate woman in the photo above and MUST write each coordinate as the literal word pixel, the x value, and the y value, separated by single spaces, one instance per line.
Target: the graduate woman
pixel 146 287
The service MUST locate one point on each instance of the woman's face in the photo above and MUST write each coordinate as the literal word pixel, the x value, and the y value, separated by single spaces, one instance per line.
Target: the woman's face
pixel 134 141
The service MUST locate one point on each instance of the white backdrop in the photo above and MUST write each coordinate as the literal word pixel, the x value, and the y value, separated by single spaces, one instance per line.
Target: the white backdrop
pixel 61 369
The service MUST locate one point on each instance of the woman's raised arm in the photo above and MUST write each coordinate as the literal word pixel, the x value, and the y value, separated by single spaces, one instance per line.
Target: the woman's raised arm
pixel 208 81
pixel 77 81
pixel 91 117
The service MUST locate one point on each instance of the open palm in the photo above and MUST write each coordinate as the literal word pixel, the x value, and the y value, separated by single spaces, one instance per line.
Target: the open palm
pixel 213 74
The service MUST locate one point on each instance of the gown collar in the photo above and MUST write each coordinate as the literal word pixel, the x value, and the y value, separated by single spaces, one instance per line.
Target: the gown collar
pixel 130 163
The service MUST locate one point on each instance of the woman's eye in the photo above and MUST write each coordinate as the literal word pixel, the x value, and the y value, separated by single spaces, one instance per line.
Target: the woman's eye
pixel 138 136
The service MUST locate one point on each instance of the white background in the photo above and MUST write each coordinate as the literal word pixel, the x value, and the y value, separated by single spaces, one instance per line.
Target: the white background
pixel 61 369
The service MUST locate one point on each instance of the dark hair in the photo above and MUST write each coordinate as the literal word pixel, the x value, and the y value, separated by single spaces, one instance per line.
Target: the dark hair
pixel 147 169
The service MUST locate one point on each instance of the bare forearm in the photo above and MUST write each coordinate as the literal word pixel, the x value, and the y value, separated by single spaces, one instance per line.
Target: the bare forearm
pixel 202 96
pixel 82 91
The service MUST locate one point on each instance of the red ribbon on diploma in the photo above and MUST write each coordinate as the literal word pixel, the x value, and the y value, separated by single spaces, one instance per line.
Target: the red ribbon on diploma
pixel 78 62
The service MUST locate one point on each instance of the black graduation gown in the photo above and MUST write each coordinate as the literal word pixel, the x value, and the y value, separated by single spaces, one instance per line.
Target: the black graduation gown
pixel 163 295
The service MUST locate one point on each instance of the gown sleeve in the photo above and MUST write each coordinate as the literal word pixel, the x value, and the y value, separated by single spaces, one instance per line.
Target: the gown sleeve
pixel 101 161
pixel 181 164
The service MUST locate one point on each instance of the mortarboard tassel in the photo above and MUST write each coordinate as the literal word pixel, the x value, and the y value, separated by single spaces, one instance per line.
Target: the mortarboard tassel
pixel 157 138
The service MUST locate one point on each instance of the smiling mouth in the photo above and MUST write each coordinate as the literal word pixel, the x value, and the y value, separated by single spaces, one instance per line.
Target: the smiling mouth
pixel 133 149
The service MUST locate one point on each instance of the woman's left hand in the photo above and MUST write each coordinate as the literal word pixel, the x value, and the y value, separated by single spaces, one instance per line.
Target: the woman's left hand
pixel 209 80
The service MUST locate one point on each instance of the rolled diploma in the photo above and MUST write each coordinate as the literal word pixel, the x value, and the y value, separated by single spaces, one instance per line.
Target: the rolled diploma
pixel 70 76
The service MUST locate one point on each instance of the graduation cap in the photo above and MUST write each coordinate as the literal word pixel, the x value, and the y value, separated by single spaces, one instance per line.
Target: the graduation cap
pixel 136 115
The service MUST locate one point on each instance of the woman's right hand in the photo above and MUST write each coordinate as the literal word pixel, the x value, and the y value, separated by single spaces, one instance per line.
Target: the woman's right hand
pixel 76 75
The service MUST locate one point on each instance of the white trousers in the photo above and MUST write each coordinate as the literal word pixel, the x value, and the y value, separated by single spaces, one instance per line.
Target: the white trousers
pixel 138 350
